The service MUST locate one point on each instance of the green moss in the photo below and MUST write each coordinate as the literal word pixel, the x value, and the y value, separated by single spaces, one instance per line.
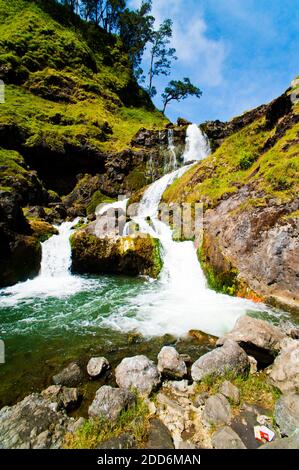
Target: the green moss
pixel 134 421
pixel 97 198
pixel 136 180
pixel 42 230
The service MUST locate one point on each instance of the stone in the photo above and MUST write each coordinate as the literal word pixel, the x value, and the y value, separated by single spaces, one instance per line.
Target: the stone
pixel 285 370
pixel 138 373
pixel 217 410
pixel 230 391
pixel 257 337
pixel 70 376
pixel 96 366
pixel 109 402
pixel 170 363
pixel 253 365
pixel 158 436
pixel 66 398
pixel 227 438
pixel 289 329
pixel 230 358
pixel 286 414
pixel 291 442
pixel 200 399
pixel 123 441
pixel 33 423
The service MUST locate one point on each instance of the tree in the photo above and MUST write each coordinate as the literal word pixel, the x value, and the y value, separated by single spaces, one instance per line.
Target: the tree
pixel 179 90
pixel 160 54
pixel 104 13
pixel 135 29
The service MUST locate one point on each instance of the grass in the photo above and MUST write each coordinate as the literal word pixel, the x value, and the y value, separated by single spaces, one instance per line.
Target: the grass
pixel 134 420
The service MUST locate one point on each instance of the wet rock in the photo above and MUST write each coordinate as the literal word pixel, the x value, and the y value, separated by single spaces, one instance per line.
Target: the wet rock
pixel 230 358
pixel 66 398
pixel 109 402
pixel 158 436
pixel 217 410
pixel 285 370
pixel 170 363
pixel 123 441
pixel 139 373
pixel 227 438
pixel 291 442
pixel 257 337
pixel 96 366
pixel 230 391
pixel 70 376
pixel 286 414
pixel 33 423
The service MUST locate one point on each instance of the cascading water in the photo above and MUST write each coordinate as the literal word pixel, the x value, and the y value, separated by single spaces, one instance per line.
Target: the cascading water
pixel 197 144
pixel 173 163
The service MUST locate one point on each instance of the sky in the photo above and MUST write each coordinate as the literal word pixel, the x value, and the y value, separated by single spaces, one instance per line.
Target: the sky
pixel 240 53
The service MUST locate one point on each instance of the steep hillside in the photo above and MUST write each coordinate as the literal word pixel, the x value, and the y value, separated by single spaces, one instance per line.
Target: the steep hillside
pixel 249 187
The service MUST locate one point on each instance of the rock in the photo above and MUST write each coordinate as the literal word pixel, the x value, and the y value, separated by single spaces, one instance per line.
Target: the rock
pixel 291 442
pixel 96 366
pixel 230 391
pixel 70 376
pixel 66 398
pixel 289 329
pixel 257 337
pixel 32 423
pixel 132 255
pixel 138 373
pixel 253 365
pixel 286 414
pixel 158 436
pixel 227 438
pixel 230 358
pixel 109 402
pixel 285 370
pixel 217 410
pixel 200 399
pixel 170 363
pixel 123 441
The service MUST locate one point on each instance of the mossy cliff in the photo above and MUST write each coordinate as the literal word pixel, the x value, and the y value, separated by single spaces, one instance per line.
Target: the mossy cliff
pixel 249 189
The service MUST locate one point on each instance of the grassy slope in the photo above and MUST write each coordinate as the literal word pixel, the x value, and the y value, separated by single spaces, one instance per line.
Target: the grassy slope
pixel 65 81
pixel 238 162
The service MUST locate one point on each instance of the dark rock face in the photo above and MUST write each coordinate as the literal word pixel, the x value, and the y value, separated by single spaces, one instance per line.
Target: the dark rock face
pixel 159 436
pixel 70 376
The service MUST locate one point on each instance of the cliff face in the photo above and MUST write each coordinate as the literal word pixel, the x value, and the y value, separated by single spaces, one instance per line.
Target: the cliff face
pixel 249 187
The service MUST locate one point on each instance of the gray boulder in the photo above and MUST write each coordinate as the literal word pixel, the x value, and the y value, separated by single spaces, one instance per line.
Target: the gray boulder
pixel 229 359
pixel 291 442
pixel 138 373
pixel 230 391
pixel 286 414
pixel 66 398
pixel 217 410
pixel 227 438
pixel 285 370
pixel 70 376
pixel 123 441
pixel 158 436
pixel 257 337
pixel 109 402
pixel 170 363
pixel 96 366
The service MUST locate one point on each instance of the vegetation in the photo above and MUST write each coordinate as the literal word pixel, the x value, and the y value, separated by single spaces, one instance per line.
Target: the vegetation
pixel 135 421
pixel 178 90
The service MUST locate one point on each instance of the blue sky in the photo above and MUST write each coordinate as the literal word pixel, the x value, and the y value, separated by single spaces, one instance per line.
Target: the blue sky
pixel 241 53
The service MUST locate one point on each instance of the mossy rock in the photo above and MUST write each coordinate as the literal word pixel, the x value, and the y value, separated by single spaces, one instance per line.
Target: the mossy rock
pixel 42 230
pixel 132 255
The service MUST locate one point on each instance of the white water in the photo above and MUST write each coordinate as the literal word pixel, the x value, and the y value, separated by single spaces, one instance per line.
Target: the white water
pixel 197 144
pixel 55 278
pixel 173 164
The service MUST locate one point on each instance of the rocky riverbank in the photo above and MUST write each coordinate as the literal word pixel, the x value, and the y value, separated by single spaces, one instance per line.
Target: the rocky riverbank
pixel 250 378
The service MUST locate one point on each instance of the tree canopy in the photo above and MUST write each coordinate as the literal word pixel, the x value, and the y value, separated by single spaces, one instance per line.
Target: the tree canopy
pixel 179 90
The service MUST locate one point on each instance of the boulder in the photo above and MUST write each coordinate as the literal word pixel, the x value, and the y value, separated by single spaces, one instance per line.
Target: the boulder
pixel 158 436
pixel 289 329
pixel 138 373
pixel 230 358
pixel 217 410
pixel 33 423
pixel 70 376
pixel 132 255
pixel 123 441
pixel 227 438
pixel 170 363
pixel 230 391
pixel 286 414
pixel 285 370
pixel 257 337
pixel 66 398
pixel 96 366
pixel 291 442
pixel 109 402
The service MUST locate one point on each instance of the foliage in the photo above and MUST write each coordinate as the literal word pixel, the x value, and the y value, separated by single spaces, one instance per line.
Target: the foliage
pixel 179 90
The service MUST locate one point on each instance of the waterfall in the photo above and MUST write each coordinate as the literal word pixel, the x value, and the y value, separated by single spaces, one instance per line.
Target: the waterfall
pixel 173 163
pixel 197 144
